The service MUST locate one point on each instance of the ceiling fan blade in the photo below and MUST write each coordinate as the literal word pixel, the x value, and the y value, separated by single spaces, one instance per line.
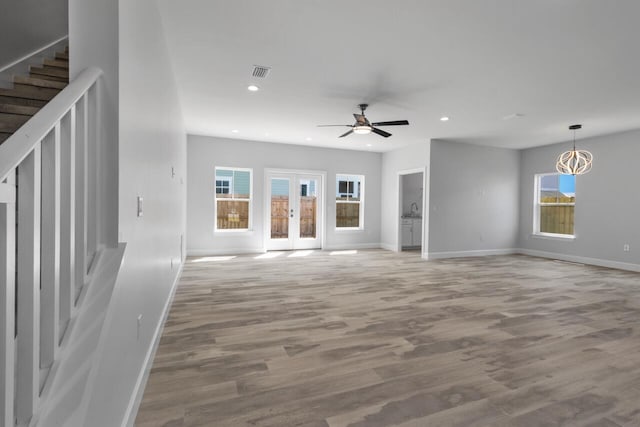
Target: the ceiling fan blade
pixel 326 126
pixel 345 134
pixel 381 132
pixel 392 123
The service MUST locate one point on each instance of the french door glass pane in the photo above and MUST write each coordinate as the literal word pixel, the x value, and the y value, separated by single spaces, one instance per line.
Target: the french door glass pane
pixel 279 208
pixel 308 208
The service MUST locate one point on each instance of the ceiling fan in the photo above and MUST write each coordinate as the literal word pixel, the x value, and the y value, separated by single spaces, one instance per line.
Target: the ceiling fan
pixel 362 126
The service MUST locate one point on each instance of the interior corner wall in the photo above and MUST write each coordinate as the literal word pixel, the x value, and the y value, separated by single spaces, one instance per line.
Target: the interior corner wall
pixel 607 203
pixel 27 26
pixel 415 156
pixel 152 165
pixel 205 153
pixel 474 200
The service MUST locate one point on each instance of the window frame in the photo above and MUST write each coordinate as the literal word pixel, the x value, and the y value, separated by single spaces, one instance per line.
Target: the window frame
pixel 215 199
pixel 346 177
pixel 537 205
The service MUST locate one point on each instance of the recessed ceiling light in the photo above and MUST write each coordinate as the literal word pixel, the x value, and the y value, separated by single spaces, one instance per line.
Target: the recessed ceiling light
pixel 368 145
pixel 444 119
pixel 308 138
pixel 253 88
pixel 235 131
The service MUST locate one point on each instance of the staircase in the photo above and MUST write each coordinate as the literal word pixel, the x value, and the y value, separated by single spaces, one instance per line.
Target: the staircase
pixel 30 93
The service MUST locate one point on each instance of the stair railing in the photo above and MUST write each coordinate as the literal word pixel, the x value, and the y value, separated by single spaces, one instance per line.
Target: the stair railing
pixel 48 238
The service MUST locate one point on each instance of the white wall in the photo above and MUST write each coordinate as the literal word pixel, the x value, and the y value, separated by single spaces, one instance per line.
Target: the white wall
pixel 93 41
pixel 474 199
pixel 412 157
pixel 607 202
pixel 205 153
pixel 151 142
pixel 27 26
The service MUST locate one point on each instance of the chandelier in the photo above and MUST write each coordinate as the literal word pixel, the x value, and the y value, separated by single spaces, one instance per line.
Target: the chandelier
pixel 574 162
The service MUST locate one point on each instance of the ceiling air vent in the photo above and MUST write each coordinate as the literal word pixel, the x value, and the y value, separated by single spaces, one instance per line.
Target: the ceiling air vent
pixel 260 71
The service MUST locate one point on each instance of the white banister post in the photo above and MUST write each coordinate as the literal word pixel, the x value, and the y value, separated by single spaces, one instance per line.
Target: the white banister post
pixel 7 299
pixel 28 339
pixel 50 248
pixel 67 217
pixel 92 172
pixel 81 194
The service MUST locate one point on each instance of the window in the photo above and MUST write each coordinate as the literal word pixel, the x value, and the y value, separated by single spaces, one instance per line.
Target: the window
pixel 349 201
pixel 555 204
pixel 233 199
pixel 223 185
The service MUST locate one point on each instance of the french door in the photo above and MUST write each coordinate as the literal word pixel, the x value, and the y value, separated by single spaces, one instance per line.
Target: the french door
pixel 294 208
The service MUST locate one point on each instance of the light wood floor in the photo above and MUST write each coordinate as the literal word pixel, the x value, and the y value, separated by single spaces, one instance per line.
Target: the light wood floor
pixel 384 339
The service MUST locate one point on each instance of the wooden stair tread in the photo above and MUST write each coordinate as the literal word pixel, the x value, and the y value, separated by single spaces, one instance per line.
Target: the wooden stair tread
pixel 12 122
pixel 32 92
pixel 50 71
pixel 51 78
pixel 24 110
pixel 22 101
pixel 56 63
pixel 29 92
pixel 39 82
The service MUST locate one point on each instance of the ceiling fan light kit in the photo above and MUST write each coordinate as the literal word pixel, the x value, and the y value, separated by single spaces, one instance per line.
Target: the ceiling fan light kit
pixel 574 162
pixel 362 126
pixel 362 130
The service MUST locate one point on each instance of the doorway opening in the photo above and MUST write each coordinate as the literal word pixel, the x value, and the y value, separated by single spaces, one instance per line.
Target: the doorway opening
pixel 294 210
pixel 411 210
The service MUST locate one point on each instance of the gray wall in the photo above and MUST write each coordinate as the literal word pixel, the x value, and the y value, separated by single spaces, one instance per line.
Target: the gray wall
pixel 412 157
pixel 474 199
pixel 27 26
pixel 607 202
pixel 204 153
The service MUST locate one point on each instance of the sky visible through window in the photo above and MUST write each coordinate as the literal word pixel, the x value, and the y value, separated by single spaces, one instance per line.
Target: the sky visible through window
pixel 565 184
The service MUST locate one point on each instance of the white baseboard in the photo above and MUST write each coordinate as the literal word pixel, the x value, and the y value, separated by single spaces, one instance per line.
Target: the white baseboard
pixel 474 253
pixel 350 246
pixel 250 251
pixel 389 247
pixel 218 252
pixel 582 260
pixel 138 391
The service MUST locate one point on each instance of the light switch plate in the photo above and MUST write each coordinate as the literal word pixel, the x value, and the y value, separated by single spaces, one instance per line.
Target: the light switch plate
pixel 140 210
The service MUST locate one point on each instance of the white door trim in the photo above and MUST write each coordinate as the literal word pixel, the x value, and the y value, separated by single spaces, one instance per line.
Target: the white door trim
pixel 425 209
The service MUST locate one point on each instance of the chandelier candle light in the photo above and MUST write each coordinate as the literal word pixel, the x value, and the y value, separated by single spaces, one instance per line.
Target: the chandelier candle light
pixel 574 162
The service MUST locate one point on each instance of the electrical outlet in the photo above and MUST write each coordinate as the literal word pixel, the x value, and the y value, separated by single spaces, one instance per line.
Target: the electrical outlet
pixel 626 247
pixel 140 206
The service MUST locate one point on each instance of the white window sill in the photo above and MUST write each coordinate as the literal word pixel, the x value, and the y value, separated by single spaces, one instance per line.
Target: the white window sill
pixel 551 236
pixel 351 229
pixel 233 231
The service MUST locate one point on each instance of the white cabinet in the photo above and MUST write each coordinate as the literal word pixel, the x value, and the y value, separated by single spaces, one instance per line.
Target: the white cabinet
pixel 411 231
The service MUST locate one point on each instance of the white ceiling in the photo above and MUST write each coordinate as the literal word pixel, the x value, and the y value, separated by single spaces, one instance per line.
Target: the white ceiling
pixel 558 62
